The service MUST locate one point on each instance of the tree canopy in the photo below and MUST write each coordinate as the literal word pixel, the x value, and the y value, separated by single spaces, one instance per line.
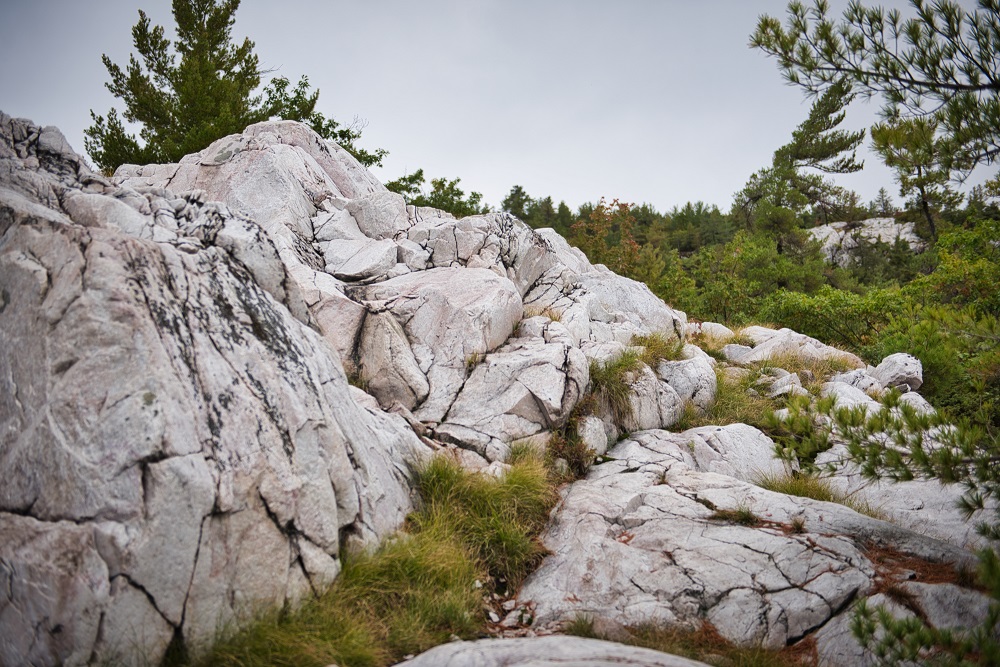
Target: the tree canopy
pixel 942 61
pixel 202 87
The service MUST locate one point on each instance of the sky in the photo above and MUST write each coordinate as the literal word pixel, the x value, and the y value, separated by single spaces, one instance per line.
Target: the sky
pixel 647 101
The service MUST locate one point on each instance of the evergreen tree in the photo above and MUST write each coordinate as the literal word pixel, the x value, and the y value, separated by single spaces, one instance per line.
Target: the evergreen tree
pixel 203 88
pixel 914 150
pixel 516 203
pixel 942 61
pixel 774 197
pixel 882 205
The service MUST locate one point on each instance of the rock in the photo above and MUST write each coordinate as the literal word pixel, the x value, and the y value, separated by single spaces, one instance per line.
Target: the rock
pixel 839 239
pixel 523 388
pixel 860 379
pixel 639 540
pixel 847 396
pixel 734 352
pixel 354 260
pixel 788 384
pixel 693 379
pixel 592 433
pixel 457 315
pixel 710 330
pixel 772 345
pixel 654 404
pixel 387 364
pixel 180 446
pixel 900 371
pixel 545 652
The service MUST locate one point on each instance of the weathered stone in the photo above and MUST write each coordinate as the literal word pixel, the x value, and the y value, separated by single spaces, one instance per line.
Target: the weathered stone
pixel 649 537
pixel 354 260
pixel 551 651
pixel 839 239
pixel 387 364
pixel 456 314
pixel 178 446
pixel 773 344
pixel 693 379
pixel 523 388
pixel 900 370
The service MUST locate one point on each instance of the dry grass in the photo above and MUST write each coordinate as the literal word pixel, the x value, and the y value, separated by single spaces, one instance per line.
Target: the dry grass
pixel 419 589
pixel 817 488
pixel 704 644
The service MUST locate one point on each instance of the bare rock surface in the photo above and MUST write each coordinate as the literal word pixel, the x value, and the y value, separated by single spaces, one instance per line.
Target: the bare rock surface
pixel 545 652
pixel 654 536
pixel 179 448
pixel 839 239
pixel 182 445
pixel 771 344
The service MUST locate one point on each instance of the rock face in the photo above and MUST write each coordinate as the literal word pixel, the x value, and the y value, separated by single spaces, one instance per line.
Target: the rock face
pixel 659 534
pixel 179 445
pixel 839 239
pixel 180 441
pixel 182 444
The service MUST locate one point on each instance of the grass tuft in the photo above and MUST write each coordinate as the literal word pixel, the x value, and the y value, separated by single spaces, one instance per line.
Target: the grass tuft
pixel 657 348
pixel 610 382
pixel 810 486
pixel 704 644
pixel 419 588
pixel 742 515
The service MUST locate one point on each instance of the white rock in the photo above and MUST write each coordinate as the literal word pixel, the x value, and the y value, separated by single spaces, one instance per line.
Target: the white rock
pixel 693 379
pixel 551 651
pixel 354 260
pixel 900 370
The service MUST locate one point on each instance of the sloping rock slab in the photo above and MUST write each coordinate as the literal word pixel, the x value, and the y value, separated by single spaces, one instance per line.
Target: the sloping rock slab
pixel 649 537
pixel 552 651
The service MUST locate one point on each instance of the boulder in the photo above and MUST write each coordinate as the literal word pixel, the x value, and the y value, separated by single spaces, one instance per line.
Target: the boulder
pixel 900 371
pixel 551 651
pixel 525 387
pixel 770 344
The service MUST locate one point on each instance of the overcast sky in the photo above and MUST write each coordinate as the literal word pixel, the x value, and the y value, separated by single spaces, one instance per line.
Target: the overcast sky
pixel 649 101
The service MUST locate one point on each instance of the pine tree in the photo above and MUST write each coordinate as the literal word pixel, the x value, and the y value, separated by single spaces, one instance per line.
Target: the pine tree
pixel 941 62
pixel 914 150
pixel 203 87
pixel 774 196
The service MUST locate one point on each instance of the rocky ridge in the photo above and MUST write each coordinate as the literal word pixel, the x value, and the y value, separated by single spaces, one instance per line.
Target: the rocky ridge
pixel 839 239
pixel 183 443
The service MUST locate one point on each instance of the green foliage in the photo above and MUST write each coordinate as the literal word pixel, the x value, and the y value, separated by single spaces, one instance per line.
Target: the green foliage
pixel 901 444
pixel 610 381
pixel 497 519
pixel 742 516
pixel 835 316
pixel 942 61
pixel 538 213
pixel 657 347
pixel 444 195
pixel 202 88
pixel 606 236
pixel 774 198
pixel 734 279
pixel 912 148
pixel 733 405
pixel 419 588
